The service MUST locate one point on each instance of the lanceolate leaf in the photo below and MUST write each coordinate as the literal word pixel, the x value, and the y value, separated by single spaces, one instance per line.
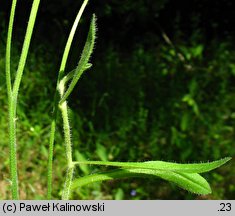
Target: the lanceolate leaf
pixel 83 63
pixel 190 168
pixel 192 182
pixel 163 166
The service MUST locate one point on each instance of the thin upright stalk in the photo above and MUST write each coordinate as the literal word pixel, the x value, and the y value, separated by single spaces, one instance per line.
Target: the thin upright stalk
pixel 8 48
pixel 67 136
pixel 12 146
pixel 68 184
pixel 57 98
pixel 11 113
pixel 13 93
pixel 68 147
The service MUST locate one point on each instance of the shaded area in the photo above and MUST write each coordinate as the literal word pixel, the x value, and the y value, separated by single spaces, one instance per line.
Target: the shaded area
pixel 161 88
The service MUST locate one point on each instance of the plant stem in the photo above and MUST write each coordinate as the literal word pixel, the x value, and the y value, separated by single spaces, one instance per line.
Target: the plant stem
pixel 8 48
pixel 70 38
pixel 13 94
pixel 25 48
pixel 50 158
pixel 57 98
pixel 68 147
pixel 11 109
pixel 12 146
pixel 68 144
pixel 68 184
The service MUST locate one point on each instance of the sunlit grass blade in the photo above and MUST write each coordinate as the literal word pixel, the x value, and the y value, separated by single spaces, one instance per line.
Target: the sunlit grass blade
pixel 162 165
pixel 192 182
pixel 83 63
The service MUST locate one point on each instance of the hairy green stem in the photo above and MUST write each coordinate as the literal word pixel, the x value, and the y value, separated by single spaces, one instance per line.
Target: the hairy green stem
pixel 83 63
pixel 12 146
pixel 13 93
pixel 68 184
pixel 67 136
pixel 57 98
pixel 82 66
pixel 11 108
pixel 68 145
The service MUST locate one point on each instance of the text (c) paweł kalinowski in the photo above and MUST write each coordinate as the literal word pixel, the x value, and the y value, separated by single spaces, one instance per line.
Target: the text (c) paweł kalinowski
pixel 67 207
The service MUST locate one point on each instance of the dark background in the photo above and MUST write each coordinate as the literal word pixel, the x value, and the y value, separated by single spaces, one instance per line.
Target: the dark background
pixel 161 88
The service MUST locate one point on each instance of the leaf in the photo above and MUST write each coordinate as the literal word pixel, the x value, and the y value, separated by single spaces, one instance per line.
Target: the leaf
pixel 192 182
pixel 163 166
pixel 83 63
pixel 189 168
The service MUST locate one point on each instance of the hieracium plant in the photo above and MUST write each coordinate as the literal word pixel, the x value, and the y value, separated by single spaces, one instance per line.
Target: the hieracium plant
pixel 186 176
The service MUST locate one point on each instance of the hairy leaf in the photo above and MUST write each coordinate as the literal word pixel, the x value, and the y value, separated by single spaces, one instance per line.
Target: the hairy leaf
pixel 192 182
pixel 83 63
pixel 163 166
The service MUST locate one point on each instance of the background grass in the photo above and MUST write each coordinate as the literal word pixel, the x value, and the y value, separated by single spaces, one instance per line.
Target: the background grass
pixel 148 100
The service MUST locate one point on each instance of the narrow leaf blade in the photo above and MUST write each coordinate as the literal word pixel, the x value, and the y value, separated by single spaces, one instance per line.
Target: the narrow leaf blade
pixel 164 166
pixel 83 63
pixel 188 168
pixel 192 182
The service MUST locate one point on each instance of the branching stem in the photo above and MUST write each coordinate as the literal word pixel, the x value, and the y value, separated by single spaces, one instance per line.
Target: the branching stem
pixel 57 99
pixel 13 93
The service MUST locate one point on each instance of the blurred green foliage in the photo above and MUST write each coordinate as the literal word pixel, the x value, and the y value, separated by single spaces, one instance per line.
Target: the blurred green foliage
pixel 159 99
